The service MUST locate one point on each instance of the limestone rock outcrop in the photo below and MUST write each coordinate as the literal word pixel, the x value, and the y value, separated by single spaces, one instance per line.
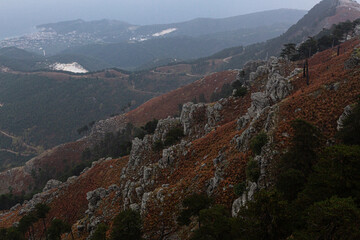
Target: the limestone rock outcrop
pixel 344 115
pixel 51 184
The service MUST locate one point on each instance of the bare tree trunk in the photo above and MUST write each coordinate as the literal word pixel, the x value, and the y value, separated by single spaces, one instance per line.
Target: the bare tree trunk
pixel 32 232
pixel 46 236
pixel 304 70
pixel 307 73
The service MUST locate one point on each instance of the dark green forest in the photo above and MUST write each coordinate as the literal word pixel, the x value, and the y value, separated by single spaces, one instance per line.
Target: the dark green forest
pixel 47 112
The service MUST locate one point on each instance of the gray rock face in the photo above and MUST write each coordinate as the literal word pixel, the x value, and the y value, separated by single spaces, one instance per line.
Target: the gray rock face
pixel 259 101
pixel 37 198
pixel 354 60
pixel 277 87
pixel 191 116
pixel 357 30
pixel 102 127
pixel 164 126
pixel 243 140
pixel 344 115
pixel 199 119
pixel 71 179
pixel 139 150
pixel 144 201
pixel 139 192
pixel 113 188
pixel 173 152
pixel 295 72
pixel 213 113
pixel 128 193
pixel 15 207
pixel 168 156
pixel 246 75
pixel 147 173
pixel 94 198
pixel 275 66
pixel 248 195
pixel 267 154
pixel 135 207
pixel 51 184
pixel 160 195
pixel 243 121
pixel 260 71
pixel 214 182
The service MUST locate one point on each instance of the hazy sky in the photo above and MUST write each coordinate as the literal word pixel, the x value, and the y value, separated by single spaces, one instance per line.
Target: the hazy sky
pixel 19 16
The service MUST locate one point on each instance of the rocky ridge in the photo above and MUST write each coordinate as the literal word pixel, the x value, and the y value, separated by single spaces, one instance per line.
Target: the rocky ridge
pixel 53 161
pixel 211 158
pixel 137 186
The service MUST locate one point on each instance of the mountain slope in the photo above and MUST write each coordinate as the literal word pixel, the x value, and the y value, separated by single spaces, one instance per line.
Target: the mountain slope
pixel 212 157
pixel 141 84
pixel 322 15
pixel 134 55
pixel 207 26
pixel 69 154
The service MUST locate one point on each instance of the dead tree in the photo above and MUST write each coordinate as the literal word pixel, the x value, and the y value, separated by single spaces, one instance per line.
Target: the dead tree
pixel 307 72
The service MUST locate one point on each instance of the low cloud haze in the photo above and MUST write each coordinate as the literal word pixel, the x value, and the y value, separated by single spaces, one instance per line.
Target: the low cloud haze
pixel 20 16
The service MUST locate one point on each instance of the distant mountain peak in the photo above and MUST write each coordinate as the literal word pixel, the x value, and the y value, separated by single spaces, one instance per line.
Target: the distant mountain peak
pixel 323 15
pixel 344 10
pixel 349 3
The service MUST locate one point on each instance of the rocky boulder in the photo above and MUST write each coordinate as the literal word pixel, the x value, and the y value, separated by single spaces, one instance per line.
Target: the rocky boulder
pixel 102 127
pixel 193 115
pixel 213 113
pixel 170 154
pixel 357 30
pixel 344 115
pixel 51 184
pixel 214 182
pixel 260 71
pixel 244 75
pixel 248 195
pixel 259 101
pixel 163 127
pixel 354 60
pixel 94 198
pixel 277 87
pixel 139 150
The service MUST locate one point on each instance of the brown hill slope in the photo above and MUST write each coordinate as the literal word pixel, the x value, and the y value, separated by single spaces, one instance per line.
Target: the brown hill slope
pixel 212 156
pixel 168 104
pixel 40 168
